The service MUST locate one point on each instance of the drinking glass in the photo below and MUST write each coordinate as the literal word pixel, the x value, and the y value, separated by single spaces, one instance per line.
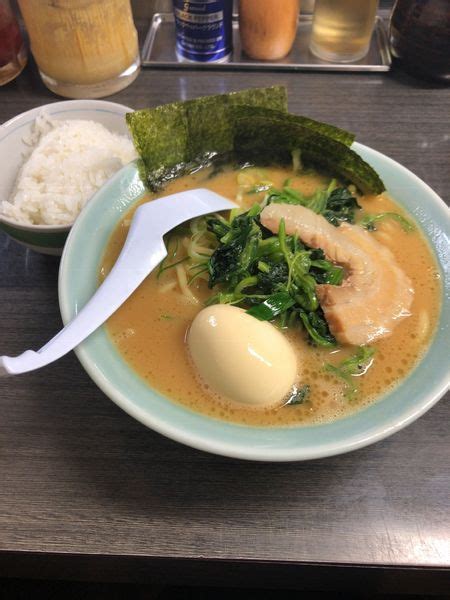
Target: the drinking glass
pixel 83 48
pixel 13 55
pixel 342 29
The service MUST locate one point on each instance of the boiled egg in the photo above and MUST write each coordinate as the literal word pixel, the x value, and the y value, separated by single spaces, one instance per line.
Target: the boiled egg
pixel 241 358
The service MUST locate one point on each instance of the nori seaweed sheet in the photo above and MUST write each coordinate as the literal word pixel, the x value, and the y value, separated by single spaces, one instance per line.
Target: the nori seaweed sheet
pixel 250 125
pixel 210 121
pixel 262 140
pixel 340 135
pixel 159 135
pixel 171 137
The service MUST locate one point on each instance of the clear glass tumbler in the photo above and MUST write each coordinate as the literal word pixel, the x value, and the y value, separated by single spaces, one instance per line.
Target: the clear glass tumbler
pixel 342 29
pixel 13 55
pixel 83 48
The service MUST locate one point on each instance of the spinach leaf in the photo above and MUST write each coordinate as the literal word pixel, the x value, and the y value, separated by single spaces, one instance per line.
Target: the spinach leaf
pixel 340 206
pixel 299 395
pixel 237 250
pixel 317 328
pixel 324 271
pixel 271 276
pixel 335 204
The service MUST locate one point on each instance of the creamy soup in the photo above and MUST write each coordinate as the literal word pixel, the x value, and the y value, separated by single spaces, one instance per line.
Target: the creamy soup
pixel 150 329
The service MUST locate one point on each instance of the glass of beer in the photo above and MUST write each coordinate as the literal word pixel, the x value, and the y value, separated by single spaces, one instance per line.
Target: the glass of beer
pixel 83 48
pixel 342 29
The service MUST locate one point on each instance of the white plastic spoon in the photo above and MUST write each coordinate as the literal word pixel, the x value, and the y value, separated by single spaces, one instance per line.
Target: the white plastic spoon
pixel 144 249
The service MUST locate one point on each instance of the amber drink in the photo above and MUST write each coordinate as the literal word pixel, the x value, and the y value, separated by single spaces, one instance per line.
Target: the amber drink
pixel 83 48
pixel 342 29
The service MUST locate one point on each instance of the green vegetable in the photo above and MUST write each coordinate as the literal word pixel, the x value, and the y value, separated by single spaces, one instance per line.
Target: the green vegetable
pixel 335 204
pixel 369 221
pixel 341 206
pixel 264 140
pixel 238 249
pixel 273 277
pixel 317 328
pixel 325 272
pixel 272 307
pixel 299 395
pixel 352 367
pixel 172 253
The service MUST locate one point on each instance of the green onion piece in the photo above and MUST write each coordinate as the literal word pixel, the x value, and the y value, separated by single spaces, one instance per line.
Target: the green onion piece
pixel 245 283
pixel 351 389
pixel 369 221
pixel 273 306
pixel 263 267
pixel 174 264
pixel 351 367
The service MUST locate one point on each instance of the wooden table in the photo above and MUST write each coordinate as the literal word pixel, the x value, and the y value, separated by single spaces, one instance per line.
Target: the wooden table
pixel 86 492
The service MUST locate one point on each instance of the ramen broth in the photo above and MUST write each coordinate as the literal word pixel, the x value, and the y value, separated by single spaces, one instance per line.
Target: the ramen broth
pixel 149 330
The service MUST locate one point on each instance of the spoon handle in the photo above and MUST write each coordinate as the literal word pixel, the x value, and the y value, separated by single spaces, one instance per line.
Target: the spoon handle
pixel 144 249
pixel 139 256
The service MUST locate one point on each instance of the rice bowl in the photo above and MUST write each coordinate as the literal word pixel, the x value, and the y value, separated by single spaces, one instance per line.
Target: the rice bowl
pixel 15 138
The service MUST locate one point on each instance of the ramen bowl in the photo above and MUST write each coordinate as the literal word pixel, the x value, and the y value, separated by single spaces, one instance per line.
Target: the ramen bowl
pixel 391 412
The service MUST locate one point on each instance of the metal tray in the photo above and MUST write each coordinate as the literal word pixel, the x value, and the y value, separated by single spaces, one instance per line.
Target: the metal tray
pixel 159 50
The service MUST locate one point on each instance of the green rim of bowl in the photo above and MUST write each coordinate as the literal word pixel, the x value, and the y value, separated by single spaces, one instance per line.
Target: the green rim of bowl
pixel 395 410
pixel 52 239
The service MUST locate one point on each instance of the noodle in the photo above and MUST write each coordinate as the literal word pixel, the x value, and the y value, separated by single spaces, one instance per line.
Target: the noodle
pixel 183 283
pixel 167 287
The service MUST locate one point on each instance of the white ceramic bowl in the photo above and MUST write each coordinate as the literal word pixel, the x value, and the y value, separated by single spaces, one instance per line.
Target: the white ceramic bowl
pixel 48 239
pixel 422 388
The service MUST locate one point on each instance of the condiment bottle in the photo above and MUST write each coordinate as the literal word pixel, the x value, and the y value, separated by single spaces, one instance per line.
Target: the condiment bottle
pixel 268 27
pixel 83 48
pixel 420 37
pixel 13 55
pixel 203 30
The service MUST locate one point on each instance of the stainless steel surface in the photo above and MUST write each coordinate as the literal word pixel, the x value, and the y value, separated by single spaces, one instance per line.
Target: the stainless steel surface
pixel 159 50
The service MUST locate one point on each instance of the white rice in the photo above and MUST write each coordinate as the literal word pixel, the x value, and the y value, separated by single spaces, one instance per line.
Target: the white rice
pixel 68 162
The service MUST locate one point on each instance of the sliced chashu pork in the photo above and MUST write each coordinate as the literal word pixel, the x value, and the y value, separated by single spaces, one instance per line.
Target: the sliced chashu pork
pixel 375 294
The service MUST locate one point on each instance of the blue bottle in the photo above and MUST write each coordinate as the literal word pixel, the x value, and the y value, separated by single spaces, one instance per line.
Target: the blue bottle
pixel 204 30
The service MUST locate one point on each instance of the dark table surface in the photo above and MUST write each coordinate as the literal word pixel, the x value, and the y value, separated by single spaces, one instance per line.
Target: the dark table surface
pixel 87 492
